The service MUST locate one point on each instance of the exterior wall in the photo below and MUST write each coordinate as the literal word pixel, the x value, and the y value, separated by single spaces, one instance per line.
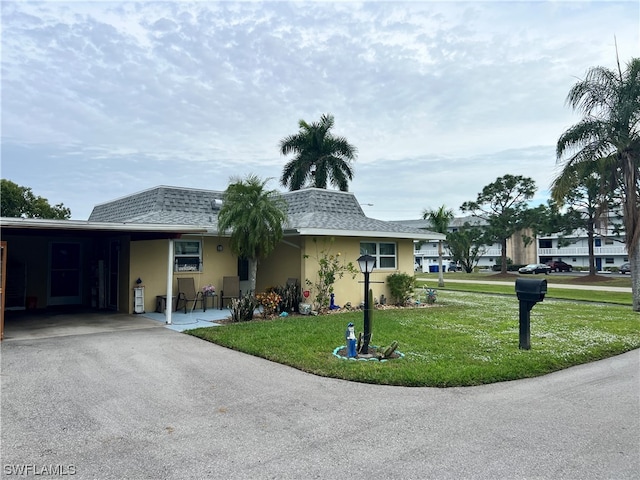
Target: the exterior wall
pixel 149 262
pixel 519 252
pixel 610 253
pixel 283 263
pixel 348 289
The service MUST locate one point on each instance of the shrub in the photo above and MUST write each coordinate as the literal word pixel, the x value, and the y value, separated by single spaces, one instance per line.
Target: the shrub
pixel 401 287
pixel 330 268
pixel 242 308
pixel 430 295
pixel 269 302
pixel 290 295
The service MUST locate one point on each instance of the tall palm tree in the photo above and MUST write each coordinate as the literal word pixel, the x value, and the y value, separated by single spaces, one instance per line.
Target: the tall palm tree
pixel 440 219
pixel 320 157
pixel 255 216
pixel 610 129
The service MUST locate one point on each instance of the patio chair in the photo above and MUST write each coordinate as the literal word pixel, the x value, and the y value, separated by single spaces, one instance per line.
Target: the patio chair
pixel 187 293
pixel 230 289
pixel 292 281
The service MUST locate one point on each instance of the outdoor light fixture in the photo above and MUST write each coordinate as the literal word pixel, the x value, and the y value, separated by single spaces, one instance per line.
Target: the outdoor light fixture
pixel 366 263
pixel 219 248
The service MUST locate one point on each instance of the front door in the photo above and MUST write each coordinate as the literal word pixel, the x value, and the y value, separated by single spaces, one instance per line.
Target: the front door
pixel 65 273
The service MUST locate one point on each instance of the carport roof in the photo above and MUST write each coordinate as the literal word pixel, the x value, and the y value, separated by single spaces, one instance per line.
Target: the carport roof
pixel 87 225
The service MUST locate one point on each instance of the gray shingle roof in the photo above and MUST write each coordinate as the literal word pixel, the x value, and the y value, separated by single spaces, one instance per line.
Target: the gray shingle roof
pixel 163 205
pixel 310 210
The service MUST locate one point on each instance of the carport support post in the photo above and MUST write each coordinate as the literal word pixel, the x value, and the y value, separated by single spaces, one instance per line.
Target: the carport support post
pixel 525 324
pixel 169 305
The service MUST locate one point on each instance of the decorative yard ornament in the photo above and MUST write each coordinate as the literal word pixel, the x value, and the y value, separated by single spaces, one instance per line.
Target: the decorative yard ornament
pixel 332 305
pixel 351 341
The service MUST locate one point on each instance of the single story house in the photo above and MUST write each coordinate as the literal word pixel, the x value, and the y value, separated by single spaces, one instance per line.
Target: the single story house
pixel 151 238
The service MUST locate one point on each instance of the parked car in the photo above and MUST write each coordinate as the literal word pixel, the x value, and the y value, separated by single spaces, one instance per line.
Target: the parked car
pixel 560 266
pixel 625 268
pixel 535 268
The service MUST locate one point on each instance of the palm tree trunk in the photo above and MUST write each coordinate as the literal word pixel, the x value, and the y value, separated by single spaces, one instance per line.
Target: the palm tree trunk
pixel 440 273
pixel 634 261
pixel 253 274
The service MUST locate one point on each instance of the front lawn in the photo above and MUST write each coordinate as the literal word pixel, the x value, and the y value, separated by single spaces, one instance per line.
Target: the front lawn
pixel 465 339
pixel 622 298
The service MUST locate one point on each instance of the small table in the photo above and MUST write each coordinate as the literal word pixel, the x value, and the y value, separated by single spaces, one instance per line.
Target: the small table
pixel 214 296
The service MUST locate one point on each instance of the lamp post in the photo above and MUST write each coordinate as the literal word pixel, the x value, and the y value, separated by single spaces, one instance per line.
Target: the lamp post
pixel 366 263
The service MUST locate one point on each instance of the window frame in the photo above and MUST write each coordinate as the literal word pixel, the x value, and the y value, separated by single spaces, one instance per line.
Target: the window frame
pixel 379 256
pixel 185 267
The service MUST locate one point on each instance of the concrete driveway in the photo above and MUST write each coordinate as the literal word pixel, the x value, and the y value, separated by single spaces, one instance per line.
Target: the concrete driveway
pixel 148 403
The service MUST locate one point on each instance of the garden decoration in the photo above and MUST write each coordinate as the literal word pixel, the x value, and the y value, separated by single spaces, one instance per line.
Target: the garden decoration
pixel 351 341
pixel 332 304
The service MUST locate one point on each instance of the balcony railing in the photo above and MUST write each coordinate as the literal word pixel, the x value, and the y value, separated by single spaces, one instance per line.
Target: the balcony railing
pixel 582 251
pixel 490 252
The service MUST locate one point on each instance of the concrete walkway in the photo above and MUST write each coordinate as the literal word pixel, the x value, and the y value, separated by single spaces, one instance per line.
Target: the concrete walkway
pixel 144 402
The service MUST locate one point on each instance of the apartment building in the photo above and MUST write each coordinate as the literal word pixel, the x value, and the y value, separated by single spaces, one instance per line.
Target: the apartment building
pixel 609 248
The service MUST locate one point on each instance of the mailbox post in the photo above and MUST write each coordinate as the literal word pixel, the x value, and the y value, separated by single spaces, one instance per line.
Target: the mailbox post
pixel 530 292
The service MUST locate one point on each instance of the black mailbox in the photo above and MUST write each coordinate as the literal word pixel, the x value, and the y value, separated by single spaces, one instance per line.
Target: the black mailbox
pixel 531 290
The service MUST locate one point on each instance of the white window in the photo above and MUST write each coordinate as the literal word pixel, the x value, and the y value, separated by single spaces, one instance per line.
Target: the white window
pixel 385 253
pixel 187 256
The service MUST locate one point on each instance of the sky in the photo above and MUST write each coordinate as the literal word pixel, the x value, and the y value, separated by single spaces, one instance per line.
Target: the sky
pixel 101 99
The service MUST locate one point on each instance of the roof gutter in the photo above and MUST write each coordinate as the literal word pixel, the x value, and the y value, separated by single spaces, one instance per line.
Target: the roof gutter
pixel 426 235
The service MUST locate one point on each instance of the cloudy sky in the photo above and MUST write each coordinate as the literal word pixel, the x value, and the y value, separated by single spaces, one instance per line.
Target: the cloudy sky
pixel 104 99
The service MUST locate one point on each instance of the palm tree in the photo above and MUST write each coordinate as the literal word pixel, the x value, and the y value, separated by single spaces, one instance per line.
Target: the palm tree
pixel 255 217
pixel 586 189
pixel 440 220
pixel 610 132
pixel 320 157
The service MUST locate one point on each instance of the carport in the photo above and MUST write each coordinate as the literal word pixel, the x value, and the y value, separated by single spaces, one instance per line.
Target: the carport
pixel 72 266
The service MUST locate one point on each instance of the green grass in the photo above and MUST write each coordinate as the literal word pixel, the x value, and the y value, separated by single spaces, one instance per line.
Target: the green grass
pixel 621 298
pixel 465 339
pixel 605 280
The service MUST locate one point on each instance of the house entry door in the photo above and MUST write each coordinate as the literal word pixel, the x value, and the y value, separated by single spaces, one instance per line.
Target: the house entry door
pixel 64 273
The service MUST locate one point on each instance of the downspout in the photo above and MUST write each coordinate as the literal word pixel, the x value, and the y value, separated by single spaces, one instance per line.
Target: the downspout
pixel 169 304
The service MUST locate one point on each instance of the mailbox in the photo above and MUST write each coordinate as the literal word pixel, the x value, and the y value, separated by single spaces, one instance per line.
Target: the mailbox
pixel 531 290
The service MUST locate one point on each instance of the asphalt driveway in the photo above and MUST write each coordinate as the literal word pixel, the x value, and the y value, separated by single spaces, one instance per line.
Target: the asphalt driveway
pixel 149 403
